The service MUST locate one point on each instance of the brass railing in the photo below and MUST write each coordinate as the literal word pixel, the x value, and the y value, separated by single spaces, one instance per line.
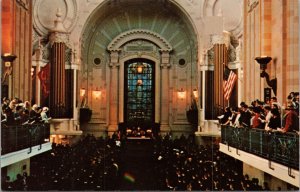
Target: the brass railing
pixel 15 138
pixel 279 147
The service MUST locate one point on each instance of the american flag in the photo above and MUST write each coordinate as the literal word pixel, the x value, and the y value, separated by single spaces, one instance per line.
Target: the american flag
pixel 229 80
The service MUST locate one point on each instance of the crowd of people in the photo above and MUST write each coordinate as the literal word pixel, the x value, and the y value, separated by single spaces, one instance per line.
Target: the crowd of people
pixel 91 164
pixel 270 115
pixel 95 163
pixel 17 112
pixel 182 165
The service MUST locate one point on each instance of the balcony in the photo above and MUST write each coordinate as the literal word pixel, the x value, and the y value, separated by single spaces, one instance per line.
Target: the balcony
pixel 275 153
pixel 23 141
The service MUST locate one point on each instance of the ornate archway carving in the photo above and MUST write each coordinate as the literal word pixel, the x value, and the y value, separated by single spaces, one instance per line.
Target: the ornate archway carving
pixel 123 38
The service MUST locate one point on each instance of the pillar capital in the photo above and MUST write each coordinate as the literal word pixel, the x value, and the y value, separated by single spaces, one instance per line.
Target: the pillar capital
pixel 114 58
pixel 165 58
pixel 58 37
pixel 223 38
pixel 58 33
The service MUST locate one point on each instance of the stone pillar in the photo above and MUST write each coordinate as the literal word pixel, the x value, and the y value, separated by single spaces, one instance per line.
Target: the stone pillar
pixel 201 111
pixel 113 93
pixel 165 64
pixel 37 62
pixel 58 40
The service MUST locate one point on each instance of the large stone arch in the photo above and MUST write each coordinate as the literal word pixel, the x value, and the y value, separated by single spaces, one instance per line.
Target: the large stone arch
pixel 116 88
pixel 112 36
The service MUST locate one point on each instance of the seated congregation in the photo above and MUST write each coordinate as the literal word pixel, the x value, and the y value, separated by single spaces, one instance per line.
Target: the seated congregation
pixel 96 164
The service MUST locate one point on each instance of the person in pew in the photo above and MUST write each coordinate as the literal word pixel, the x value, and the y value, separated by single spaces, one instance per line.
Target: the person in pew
pixel 275 120
pixel 291 120
pixel 237 119
pixel 268 115
pixel 25 116
pixel 245 116
pixel 44 116
pixel 255 120
pixel 224 119
pixel 232 118
pixel 8 115
pixel 35 114
pixel 18 114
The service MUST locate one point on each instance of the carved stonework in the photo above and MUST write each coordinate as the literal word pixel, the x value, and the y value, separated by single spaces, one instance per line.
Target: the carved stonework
pixel 127 36
pixel 57 37
pixel 231 54
pixel 23 3
pixel 44 12
pixel 220 39
pixel 114 58
pixel 251 4
pixel 210 56
pixel 165 59
pixel 239 51
pixel 217 39
pixel 58 32
pixel 231 12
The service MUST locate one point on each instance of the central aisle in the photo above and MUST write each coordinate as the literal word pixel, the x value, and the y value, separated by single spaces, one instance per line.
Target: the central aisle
pixel 137 165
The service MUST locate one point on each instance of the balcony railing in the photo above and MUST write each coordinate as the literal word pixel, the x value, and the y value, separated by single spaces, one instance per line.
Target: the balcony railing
pixel 282 148
pixel 15 138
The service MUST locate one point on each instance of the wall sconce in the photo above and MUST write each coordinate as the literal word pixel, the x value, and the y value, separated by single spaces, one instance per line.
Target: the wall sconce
pixel 82 92
pixel 97 93
pixel 263 61
pixel 8 58
pixel 195 93
pixel 181 94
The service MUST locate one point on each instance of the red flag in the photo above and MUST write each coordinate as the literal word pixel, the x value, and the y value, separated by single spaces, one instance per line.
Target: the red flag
pixel 229 84
pixel 44 76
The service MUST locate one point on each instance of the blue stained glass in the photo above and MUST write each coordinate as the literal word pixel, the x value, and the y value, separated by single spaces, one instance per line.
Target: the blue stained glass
pixel 139 96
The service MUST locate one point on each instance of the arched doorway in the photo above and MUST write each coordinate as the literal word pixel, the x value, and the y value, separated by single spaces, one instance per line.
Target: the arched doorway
pixel 139 93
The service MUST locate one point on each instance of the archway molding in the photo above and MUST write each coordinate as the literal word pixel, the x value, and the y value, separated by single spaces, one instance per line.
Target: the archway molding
pixel 162 64
pixel 151 36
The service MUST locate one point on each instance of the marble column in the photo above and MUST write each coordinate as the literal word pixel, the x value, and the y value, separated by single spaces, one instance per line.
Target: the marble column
pixel 113 92
pixel 59 39
pixel 165 64
pixel 58 74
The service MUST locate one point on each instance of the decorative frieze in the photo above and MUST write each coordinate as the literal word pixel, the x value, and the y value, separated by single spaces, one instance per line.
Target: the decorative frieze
pixel 127 36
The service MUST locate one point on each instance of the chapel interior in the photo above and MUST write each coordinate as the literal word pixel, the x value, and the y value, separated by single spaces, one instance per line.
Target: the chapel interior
pixel 162 95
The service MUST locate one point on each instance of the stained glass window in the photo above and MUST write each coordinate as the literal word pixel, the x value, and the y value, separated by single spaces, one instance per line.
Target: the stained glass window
pixel 139 92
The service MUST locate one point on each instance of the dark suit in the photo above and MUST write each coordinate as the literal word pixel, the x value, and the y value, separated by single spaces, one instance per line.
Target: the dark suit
pixel 245 118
